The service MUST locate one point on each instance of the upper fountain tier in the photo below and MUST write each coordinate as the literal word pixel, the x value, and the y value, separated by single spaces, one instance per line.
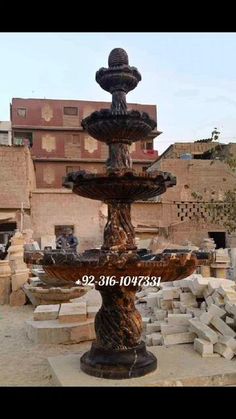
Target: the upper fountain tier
pixel 118 125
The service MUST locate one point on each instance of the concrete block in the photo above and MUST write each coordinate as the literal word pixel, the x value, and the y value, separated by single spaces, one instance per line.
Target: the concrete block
pixel 203 331
pixel 92 311
pixel 203 347
pixel 72 312
pixel 179 319
pixel 223 350
pixel 222 327
pixel 157 339
pixel 47 312
pixel 168 329
pixel 177 338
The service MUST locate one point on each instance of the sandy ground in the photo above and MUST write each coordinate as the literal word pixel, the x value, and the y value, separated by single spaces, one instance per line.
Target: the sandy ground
pixel 22 362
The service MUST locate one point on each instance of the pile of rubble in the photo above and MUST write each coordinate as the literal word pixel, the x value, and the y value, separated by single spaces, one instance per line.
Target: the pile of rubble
pixel 194 310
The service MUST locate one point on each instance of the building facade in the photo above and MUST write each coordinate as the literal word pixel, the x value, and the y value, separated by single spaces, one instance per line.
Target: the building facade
pixel 204 174
pixel 5 133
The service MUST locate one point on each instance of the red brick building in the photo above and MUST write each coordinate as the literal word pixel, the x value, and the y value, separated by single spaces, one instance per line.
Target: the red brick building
pixel 52 129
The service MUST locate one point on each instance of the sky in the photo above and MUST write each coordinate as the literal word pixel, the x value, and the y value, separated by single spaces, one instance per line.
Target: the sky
pixel 190 77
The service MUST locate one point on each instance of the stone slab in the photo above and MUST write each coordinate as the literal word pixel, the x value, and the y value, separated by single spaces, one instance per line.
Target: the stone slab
pixel 73 312
pixel 46 312
pixel 51 331
pixel 178 366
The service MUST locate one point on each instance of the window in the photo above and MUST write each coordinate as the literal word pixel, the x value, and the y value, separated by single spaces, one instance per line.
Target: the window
pixel 69 110
pixel 60 228
pixel 147 145
pixel 23 138
pixel 75 139
pixel 4 138
pixel 21 112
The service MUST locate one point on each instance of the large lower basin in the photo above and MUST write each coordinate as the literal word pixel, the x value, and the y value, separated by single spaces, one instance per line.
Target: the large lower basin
pixel 71 267
pixel 127 188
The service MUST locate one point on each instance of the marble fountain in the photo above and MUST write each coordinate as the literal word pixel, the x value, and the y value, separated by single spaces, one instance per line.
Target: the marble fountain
pixel 118 351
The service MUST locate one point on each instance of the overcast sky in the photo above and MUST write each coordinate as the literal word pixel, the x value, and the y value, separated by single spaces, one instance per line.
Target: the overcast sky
pixel 191 77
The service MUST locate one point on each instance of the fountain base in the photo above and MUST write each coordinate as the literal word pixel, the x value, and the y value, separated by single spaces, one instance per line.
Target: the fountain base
pixel 113 364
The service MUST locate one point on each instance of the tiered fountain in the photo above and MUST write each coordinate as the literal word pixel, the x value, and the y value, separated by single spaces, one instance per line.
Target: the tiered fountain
pixel 118 351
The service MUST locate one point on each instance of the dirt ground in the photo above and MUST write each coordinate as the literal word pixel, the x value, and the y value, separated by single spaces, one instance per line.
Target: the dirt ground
pixel 22 362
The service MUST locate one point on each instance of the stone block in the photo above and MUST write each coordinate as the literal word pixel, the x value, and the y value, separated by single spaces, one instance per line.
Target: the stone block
pixel 188 299
pixel 203 306
pixel 168 293
pixel 72 312
pixel 177 338
pixel 229 307
pixel 209 300
pixel 166 305
pixel 223 350
pixel 229 342
pixel 175 311
pixel 53 332
pixel 179 319
pixel 148 340
pixel 151 301
pixel 217 298
pixel 203 347
pixel 146 320
pixel 203 331
pixel 19 279
pixel 152 327
pixel 222 327
pixel 17 298
pixel 168 329
pixel 183 308
pixel 5 290
pixel 230 322
pixel 176 304
pixel 92 311
pixel 157 339
pixel 160 314
pixel 47 312
pixel 82 332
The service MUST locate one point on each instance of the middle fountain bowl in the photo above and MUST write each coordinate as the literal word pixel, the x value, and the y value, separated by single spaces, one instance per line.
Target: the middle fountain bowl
pixel 126 128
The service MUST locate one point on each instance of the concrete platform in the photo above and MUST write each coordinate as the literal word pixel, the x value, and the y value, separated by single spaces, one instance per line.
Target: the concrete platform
pixel 178 365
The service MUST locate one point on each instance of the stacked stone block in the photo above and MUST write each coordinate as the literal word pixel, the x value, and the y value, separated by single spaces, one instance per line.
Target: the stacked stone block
pixel 196 310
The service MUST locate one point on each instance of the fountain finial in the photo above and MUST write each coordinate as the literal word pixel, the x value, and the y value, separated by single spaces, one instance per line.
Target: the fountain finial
pixel 118 57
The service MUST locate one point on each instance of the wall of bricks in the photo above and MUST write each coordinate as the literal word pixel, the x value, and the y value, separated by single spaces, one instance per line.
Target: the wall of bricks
pixel 17 177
